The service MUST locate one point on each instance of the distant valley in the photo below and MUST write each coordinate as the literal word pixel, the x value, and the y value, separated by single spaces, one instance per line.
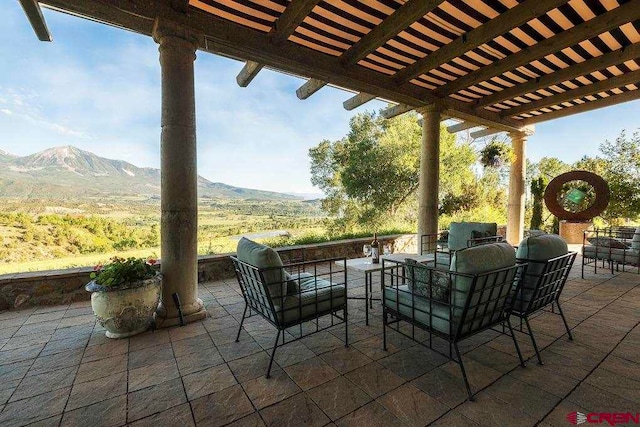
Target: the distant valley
pixel 64 172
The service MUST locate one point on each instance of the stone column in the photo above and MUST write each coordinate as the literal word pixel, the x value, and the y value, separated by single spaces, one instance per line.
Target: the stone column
pixel 179 176
pixel 429 174
pixel 515 211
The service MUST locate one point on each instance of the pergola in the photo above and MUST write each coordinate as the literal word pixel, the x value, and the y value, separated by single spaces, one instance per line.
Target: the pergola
pixel 495 65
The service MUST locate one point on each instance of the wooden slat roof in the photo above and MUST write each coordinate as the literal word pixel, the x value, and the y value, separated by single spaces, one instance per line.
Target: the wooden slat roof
pixel 509 63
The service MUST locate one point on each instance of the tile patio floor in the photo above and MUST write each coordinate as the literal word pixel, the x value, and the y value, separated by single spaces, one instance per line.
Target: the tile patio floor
pixel 57 368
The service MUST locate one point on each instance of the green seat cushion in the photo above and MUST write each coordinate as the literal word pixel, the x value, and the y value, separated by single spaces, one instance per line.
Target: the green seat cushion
pixel 419 308
pixel 264 257
pixel 609 242
pixel 461 232
pixel 429 283
pixel 623 256
pixel 314 296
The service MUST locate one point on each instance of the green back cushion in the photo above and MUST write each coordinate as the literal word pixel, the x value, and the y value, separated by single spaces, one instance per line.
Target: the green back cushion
pixel 542 247
pixel 461 232
pixel 262 256
pixel 538 248
pixel 477 260
pixel 420 280
pixel 635 242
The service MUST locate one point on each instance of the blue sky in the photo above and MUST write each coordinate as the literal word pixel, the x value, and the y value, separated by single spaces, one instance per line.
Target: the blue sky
pixel 98 88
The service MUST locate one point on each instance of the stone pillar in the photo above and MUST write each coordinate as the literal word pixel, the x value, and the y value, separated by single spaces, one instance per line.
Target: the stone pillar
pixel 515 211
pixel 179 176
pixel 429 174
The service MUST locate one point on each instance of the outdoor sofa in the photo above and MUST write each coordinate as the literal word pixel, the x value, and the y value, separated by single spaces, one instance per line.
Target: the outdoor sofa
pixel 613 246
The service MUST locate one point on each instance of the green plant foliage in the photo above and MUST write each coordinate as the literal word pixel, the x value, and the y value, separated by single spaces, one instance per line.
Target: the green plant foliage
pixel 495 154
pixel 121 271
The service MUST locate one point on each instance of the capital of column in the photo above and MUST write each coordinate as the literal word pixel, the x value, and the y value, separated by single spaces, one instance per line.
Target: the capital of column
pixel 431 108
pixel 171 34
pixel 523 133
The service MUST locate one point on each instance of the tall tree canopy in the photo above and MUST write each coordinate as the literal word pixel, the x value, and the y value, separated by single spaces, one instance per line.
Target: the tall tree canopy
pixel 620 167
pixel 372 173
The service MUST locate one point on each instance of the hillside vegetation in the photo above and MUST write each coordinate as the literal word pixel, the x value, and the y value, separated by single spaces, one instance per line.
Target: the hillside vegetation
pixel 43 234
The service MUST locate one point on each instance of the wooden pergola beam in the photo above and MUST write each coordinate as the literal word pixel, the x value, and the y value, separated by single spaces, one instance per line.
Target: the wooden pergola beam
pixel 248 73
pixel 598 63
pixel 506 21
pixel 226 38
pixel 601 23
pixel 404 16
pixel 628 96
pixel 357 100
pixel 461 126
pixel 290 19
pixel 180 5
pixel 310 87
pixel 484 132
pixel 614 82
pixel 34 14
pixel 396 110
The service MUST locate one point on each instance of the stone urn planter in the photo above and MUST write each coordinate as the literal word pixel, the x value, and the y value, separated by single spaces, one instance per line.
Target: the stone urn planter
pixel 128 307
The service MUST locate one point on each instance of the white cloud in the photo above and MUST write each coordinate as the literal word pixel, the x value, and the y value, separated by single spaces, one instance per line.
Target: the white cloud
pixel 6 111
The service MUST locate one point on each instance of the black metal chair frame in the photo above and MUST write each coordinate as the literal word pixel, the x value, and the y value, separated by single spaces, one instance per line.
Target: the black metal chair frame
pixel 548 287
pixel 258 301
pixel 393 271
pixel 623 234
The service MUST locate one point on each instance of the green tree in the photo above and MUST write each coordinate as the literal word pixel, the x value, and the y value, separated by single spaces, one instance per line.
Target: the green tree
pixel 372 173
pixel 622 172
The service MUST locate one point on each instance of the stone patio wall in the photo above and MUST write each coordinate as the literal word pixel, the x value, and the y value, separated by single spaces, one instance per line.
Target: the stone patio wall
pixel 21 290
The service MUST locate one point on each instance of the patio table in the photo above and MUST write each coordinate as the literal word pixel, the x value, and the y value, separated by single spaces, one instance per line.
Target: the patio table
pixel 364 265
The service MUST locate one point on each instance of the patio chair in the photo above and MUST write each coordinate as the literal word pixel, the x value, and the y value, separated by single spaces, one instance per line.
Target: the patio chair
pixel 460 235
pixel 615 246
pixel 285 300
pixel 548 266
pixel 454 304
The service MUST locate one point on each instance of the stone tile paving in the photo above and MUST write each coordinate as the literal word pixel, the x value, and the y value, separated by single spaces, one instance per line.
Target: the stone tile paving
pixel 58 369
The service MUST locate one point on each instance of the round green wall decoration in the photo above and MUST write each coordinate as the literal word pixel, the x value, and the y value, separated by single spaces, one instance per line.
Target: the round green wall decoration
pixel 578 202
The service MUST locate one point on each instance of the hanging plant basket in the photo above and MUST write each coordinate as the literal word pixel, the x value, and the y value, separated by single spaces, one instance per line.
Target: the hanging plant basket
pixel 495 154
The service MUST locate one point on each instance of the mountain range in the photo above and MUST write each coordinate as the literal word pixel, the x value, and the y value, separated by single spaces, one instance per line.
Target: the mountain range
pixel 62 172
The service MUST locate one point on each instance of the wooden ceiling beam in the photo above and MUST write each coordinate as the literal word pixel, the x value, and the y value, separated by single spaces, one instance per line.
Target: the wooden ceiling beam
pixel 248 73
pixel 461 126
pixel 396 110
pixel 614 18
pixel 502 24
pixel 628 96
pixel 570 95
pixel 357 100
pixel 399 20
pixel 484 132
pixel 310 87
pixel 598 63
pixel 290 19
pixel 36 19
